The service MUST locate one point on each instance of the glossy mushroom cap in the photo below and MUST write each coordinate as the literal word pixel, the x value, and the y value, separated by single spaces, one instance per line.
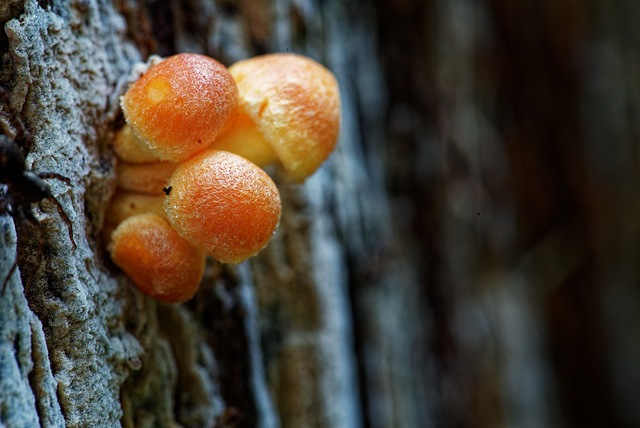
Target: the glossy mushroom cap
pixel 224 205
pixel 294 104
pixel 161 263
pixel 179 105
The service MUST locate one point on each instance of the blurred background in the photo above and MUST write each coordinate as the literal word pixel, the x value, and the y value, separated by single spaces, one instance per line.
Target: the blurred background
pixel 511 150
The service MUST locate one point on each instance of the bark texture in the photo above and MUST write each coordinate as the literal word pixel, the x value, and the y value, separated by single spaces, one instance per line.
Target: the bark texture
pixel 466 258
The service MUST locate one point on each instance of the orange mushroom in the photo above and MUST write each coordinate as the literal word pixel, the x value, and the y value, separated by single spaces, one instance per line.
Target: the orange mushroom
pixel 179 105
pixel 128 204
pixel 161 263
pixel 223 204
pixel 289 109
pixel 149 178
pixel 128 147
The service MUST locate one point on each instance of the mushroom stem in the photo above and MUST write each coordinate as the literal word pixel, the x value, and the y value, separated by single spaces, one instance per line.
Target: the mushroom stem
pixel 244 139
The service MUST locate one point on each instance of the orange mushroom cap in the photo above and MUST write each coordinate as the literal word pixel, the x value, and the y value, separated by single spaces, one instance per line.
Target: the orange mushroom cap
pixel 128 147
pixel 148 178
pixel 179 105
pixel 223 204
pixel 125 204
pixel 161 263
pixel 294 103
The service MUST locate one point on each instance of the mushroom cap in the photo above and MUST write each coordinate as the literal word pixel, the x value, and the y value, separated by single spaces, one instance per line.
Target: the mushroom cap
pixel 179 105
pixel 125 204
pixel 128 147
pixel 224 205
pixel 295 104
pixel 149 178
pixel 161 263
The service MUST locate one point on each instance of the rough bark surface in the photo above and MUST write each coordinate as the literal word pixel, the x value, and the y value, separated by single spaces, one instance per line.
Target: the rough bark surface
pixel 62 64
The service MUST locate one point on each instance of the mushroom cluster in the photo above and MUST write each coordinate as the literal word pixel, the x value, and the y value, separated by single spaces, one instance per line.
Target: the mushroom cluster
pixel 189 176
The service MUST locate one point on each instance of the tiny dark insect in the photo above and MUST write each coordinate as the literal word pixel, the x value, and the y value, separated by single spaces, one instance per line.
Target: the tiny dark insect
pixel 23 187
pixel 167 190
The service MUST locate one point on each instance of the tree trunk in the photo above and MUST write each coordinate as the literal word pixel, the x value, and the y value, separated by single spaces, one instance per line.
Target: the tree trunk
pixel 466 258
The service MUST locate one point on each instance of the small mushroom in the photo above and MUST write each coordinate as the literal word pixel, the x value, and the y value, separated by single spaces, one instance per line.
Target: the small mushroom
pixel 125 204
pixel 148 178
pixel 223 204
pixel 178 107
pixel 289 109
pixel 161 263
pixel 128 147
